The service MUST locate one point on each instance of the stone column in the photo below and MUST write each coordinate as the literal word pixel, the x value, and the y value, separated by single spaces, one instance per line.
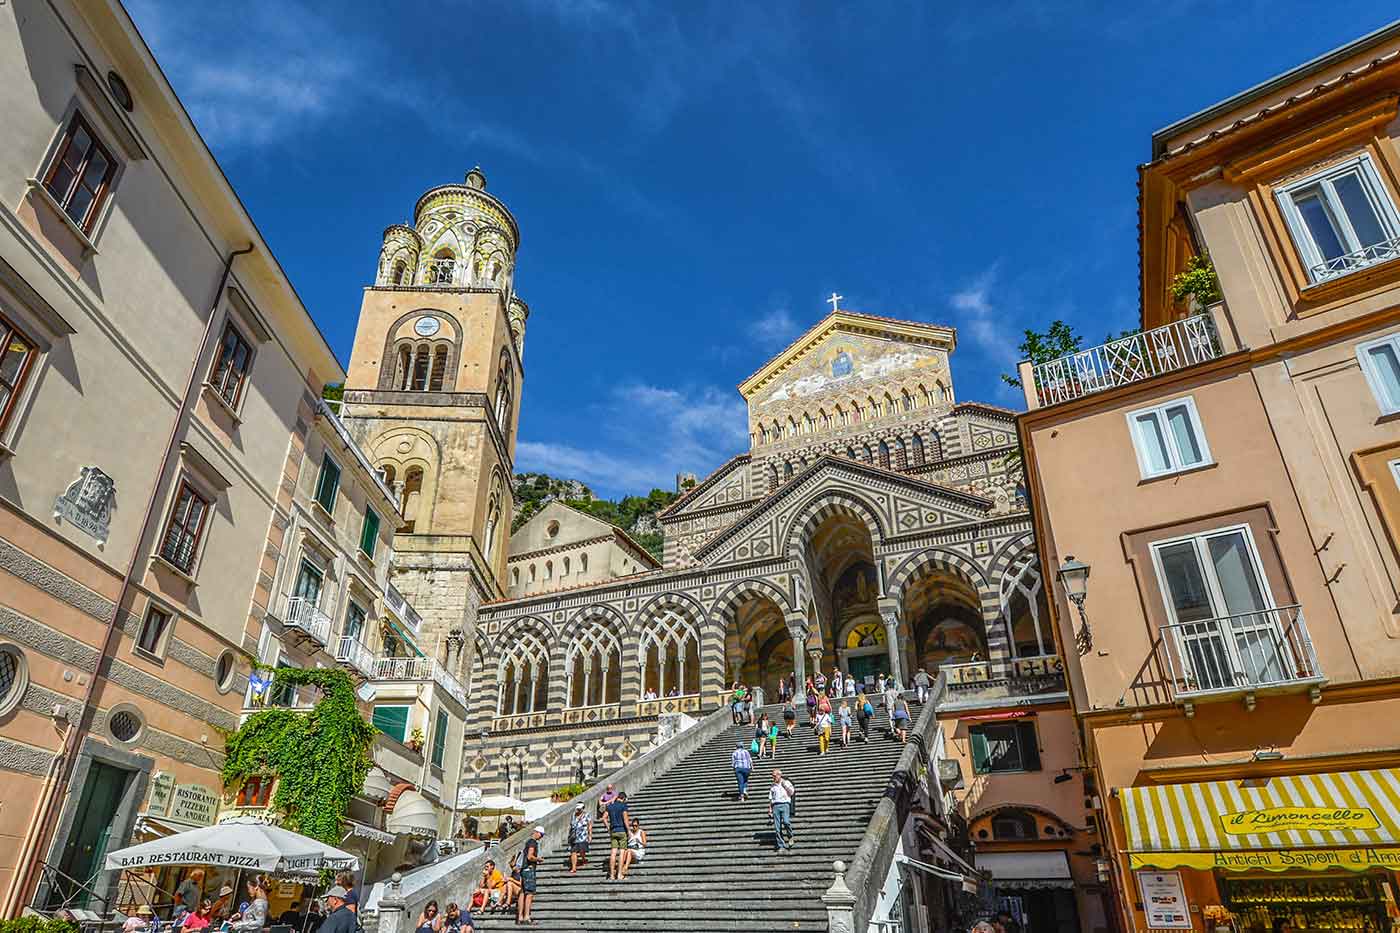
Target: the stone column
pixel 815 655
pixel 799 662
pixel 603 690
pixel 892 646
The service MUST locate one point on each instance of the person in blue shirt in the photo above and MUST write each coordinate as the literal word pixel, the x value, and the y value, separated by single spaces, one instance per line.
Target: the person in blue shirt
pixel 742 761
pixel 617 834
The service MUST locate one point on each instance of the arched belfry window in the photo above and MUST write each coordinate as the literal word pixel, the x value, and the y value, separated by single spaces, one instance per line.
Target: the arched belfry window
pixel 505 375
pixel 442 267
pixel 400 272
pixel 493 520
pixel 411 498
pixel 918 446
pixel 418 379
pixel 594 666
pixel 439 368
pixel 403 375
pixel 523 676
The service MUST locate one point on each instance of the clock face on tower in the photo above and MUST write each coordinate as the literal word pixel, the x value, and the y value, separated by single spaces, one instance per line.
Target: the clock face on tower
pixel 426 326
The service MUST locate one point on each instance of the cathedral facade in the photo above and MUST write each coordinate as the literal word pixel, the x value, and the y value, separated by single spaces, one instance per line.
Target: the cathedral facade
pixel 874 525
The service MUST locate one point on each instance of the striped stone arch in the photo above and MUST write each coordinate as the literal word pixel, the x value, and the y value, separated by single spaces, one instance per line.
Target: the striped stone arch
pixel 988 595
pixel 939 559
pixel 826 504
pixel 586 615
pixel 729 600
pixel 525 627
pixel 1010 553
pixel 651 623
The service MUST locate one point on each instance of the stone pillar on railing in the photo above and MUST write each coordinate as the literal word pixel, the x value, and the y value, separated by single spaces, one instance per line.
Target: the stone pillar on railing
pixel 840 903
pixel 1025 371
pixel 392 917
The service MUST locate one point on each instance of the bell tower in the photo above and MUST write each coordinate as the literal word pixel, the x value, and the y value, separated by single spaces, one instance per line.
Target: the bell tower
pixel 431 396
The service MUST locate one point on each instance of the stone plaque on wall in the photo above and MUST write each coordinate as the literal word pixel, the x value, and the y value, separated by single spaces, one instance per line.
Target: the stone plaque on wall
pixel 87 503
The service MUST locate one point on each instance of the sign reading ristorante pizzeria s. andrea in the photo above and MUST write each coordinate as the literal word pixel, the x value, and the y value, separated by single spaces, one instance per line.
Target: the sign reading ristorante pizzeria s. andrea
pixel 1292 819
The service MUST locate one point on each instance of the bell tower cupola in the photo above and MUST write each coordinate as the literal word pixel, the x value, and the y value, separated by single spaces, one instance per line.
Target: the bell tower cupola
pixel 433 389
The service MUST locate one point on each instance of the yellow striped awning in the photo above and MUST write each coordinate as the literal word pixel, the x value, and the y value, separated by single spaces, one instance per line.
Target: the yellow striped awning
pixel 1345 808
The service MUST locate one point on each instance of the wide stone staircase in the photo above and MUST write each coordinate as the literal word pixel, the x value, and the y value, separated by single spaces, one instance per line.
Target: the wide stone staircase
pixel 710 863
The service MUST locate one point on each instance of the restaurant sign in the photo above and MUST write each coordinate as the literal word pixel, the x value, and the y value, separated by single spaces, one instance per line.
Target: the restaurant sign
pixel 1362 859
pixel 193 805
pixel 1288 819
pixel 162 787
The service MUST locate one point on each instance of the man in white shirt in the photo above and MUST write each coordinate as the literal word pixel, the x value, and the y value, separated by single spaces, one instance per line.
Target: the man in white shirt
pixel 780 808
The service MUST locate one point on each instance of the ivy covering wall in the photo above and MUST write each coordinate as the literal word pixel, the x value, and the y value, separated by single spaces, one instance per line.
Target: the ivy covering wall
pixel 320 756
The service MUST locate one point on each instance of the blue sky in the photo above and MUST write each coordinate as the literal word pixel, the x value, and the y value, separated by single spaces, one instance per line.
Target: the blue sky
pixel 693 179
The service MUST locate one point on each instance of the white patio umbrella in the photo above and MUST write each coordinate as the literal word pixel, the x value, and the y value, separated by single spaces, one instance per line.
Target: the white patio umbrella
pixel 239 843
pixel 499 803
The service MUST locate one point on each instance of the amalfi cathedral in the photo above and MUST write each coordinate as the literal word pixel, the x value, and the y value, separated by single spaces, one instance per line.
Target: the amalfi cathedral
pixel 876 524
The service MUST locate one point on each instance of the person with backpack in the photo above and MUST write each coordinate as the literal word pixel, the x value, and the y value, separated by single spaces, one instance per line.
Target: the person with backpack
pixel 780 799
pixel 529 879
pixel 760 736
pixel 844 719
pixel 824 730
pixel 863 713
pixel 580 834
pixel 789 718
pixel 811 702
pixel 922 682
pixel 900 722
pixel 742 761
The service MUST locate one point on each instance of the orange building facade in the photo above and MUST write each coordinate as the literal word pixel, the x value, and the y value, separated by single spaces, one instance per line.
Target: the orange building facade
pixel 1218 496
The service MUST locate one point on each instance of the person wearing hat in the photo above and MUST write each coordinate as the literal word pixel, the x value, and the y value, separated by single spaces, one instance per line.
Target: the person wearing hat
pixel 529 863
pixel 580 835
pixel 224 902
pixel 140 920
pixel 340 919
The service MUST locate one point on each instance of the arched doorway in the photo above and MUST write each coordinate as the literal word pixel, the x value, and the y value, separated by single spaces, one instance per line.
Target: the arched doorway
pixel 943 609
pixel 861 646
pixel 758 644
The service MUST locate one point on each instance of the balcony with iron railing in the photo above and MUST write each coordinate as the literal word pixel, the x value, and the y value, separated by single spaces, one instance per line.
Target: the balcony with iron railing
pixel 421 670
pixel 1347 263
pixel 977 683
pixel 304 617
pixel 1239 655
pixel 1140 356
pixel 351 652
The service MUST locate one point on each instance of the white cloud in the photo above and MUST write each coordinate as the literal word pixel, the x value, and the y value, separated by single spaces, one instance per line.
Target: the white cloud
pixel 651 433
pixel 980 319
pixel 775 327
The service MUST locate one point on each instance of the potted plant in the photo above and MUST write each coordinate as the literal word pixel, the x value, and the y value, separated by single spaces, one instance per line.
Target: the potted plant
pixel 416 740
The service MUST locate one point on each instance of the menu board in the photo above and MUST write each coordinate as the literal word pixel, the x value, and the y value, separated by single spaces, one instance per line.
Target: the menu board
pixel 1164 900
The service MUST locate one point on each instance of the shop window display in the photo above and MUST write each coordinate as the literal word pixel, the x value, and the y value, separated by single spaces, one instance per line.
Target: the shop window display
pixel 1355 902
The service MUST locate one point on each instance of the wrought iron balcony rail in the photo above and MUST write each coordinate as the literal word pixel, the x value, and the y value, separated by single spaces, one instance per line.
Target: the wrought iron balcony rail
pixel 1131 359
pixel 352 651
pixel 1346 263
pixel 1242 653
pixel 303 614
pixel 420 669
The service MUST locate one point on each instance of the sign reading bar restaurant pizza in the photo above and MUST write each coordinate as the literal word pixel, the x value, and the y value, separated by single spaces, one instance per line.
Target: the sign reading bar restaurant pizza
pixel 1164 900
pixel 1272 860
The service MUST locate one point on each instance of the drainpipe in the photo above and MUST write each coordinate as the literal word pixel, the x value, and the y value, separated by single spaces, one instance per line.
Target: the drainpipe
pixel 61 771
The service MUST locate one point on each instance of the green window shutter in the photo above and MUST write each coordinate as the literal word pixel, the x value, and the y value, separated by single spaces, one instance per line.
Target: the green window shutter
pixel 328 484
pixel 1030 748
pixel 392 721
pixel 981 763
pixel 440 738
pixel 369 533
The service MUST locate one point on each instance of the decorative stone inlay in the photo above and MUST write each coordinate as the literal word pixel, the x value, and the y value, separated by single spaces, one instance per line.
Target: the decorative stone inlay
pixel 53 582
pixel 23 758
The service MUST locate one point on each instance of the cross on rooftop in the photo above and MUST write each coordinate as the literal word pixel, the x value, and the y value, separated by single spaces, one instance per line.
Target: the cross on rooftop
pixel 833 301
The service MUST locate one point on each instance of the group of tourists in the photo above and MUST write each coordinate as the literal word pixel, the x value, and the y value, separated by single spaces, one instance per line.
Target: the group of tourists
pixel 496 892
pixel 192 911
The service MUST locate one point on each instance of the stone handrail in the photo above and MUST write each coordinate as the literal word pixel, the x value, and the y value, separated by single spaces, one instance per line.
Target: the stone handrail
pixel 853 899
pixel 395 914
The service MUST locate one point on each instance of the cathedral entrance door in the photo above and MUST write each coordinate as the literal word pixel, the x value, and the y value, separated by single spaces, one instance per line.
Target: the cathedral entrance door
pixel 866 668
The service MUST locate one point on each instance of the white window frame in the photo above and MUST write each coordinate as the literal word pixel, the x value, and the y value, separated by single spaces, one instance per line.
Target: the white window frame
pixel 1395 471
pixel 1212 585
pixel 1303 241
pixel 1174 464
pixel 1388 406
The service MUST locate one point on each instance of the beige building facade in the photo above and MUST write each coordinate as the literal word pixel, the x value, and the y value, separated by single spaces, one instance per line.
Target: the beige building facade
pixel 1226 481
pixel 157 365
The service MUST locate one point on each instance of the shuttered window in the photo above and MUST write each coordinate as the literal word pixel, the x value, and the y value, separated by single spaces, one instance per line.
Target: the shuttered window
pixel 392 721
pixel 439 738
pixel 369 533
pixel 1004 747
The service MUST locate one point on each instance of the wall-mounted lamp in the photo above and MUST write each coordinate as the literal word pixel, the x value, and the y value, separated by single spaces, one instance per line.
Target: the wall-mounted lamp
pixel 1268 754
pixel 1062 778
pixel 1074 577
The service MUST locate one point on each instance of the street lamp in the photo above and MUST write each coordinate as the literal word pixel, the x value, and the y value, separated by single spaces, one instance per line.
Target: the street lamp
pixel 1074 577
